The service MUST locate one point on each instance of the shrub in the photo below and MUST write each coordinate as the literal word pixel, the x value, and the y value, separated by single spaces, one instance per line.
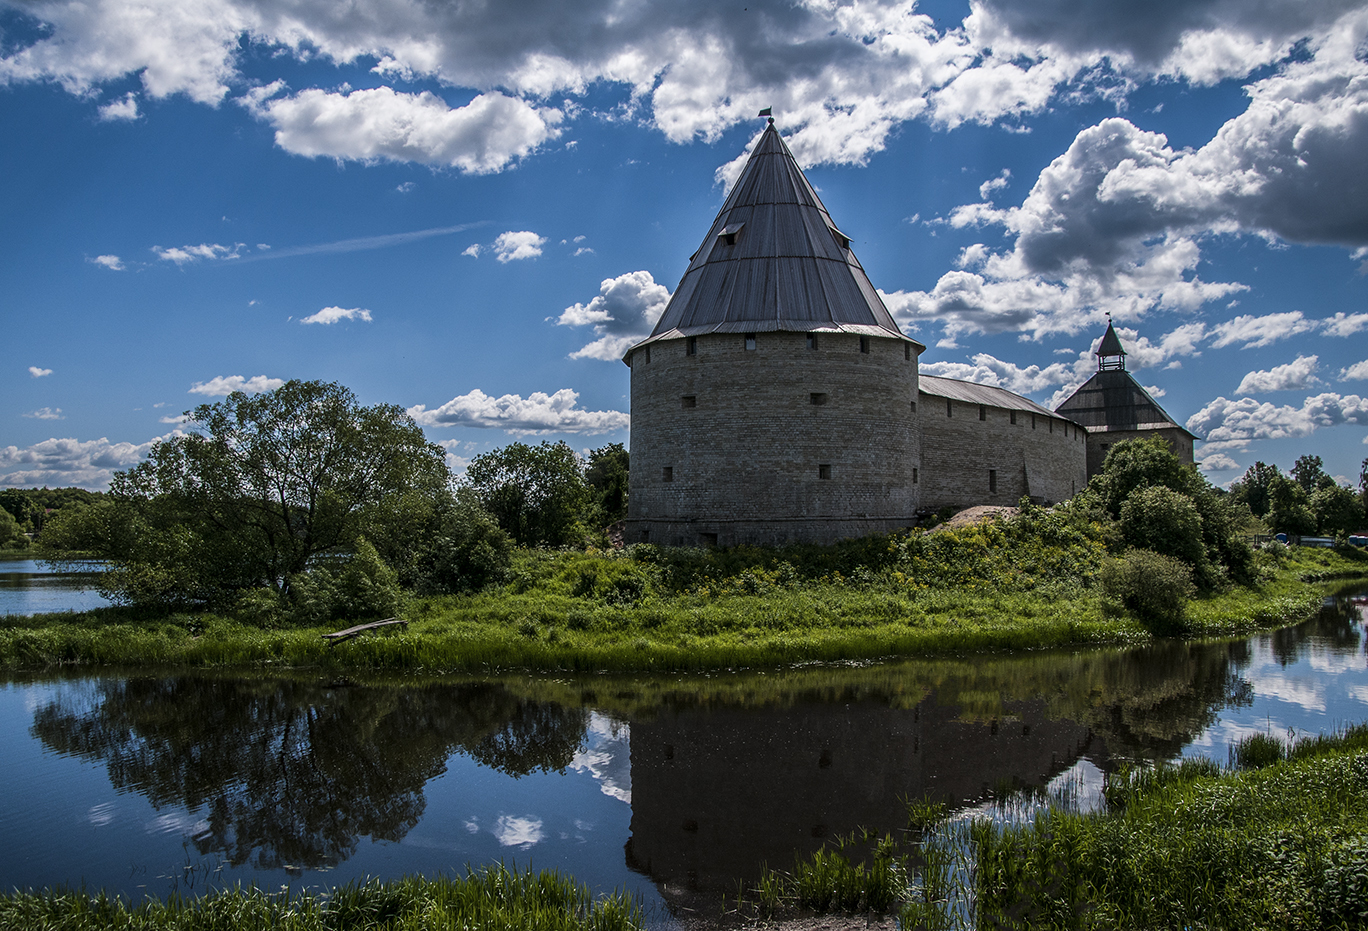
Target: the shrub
pixel 1160 519
pixel 1153 587
pixel 361 588
pixel 468 551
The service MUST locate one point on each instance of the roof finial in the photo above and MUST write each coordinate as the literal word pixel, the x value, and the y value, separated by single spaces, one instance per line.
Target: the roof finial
pixel 768 111
pixel 1110 354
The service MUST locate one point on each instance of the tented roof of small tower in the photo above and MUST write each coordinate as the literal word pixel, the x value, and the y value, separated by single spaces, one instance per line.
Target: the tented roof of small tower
pixel 774 260
pixel 1111 343
pixel 1113 400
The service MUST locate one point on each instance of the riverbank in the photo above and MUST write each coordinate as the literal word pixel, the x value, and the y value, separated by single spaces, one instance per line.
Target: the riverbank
pixel 493 899
pixel 574 611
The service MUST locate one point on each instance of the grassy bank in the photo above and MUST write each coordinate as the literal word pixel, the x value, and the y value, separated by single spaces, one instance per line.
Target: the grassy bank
pixel 1278 845
pixel 977 589
pixel 1277 840
pixel 495 899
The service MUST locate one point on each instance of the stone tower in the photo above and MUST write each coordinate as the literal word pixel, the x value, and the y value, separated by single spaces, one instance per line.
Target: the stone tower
pixel 775 401
pixel 1113 407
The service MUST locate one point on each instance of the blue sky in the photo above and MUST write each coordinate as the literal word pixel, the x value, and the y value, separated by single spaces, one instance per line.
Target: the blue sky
pixel 470 210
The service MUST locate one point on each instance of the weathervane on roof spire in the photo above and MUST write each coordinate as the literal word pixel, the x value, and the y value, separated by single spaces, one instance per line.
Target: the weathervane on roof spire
pixel 769 112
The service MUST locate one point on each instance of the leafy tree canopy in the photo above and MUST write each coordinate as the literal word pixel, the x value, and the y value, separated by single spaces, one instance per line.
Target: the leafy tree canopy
pixel 607 474
pixel 536 493
pixel 1253 488
pixel 261 488
pixel 1218 550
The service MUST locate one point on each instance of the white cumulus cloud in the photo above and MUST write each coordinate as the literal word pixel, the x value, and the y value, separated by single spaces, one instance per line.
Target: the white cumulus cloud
pixel 1217 462
pixel 36 372
pixel 383 124
pixel 1255 332
pixel 1228 424
pixel 124 108
pixel 1357 371
pixel 1297 375
pixel 535 414
pixel 513 245
pixel 111 262
pixel 46 413
pixel 329 315
pixel 623 312
pixel 87 464
pixel 223 385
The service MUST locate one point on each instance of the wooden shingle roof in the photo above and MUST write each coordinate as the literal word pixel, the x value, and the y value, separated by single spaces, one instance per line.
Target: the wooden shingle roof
pixel 772 260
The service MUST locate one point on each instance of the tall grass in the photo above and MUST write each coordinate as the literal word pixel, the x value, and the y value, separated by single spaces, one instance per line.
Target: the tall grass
pixel 1279 843
pixel 985 587
pixel 493 899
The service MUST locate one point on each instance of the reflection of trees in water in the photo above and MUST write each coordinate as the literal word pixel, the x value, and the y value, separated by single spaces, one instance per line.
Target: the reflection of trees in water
pixel 1337 622
pixel 296 773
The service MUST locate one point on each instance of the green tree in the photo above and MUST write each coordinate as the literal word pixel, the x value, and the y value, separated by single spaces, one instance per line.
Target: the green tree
pixel 1135 463
pixel 466 550
pixel 1147 463
pixel 1309 473
pixel 11 533
pixel 536 493
pixel 1337 509
pixel 1252 488
pixel 607 475
pixel 258 492
pixel 1289 509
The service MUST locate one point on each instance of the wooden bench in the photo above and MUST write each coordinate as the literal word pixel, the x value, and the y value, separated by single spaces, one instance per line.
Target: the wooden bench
pixel 335 638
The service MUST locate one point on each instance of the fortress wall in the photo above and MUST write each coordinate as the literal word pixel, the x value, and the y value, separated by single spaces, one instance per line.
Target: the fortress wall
pixel 754 459
pixel 1045 457
pixel 1099 442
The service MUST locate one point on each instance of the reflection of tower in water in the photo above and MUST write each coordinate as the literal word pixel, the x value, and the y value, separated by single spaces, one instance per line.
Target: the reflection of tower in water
pixel 716 793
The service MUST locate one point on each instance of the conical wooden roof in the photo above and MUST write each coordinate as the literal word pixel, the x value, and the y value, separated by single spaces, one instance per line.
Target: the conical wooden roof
pixel 774 260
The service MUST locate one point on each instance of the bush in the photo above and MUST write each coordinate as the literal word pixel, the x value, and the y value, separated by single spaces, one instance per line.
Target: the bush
pixel 468 552
pixel 362 588
pixel 1160 519
pixel 1153 587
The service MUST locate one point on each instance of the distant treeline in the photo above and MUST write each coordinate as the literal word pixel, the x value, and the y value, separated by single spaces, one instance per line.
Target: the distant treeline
pixel 24 511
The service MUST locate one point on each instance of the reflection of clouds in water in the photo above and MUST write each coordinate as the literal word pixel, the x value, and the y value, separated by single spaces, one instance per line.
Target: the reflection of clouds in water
pixel 1308 695
pixel 1335 662
pixel 1360 692
pixel 607 756
pixel 101 814
pixel 473 825
pixel 1216 742
pixel 518 832
pixel 177 822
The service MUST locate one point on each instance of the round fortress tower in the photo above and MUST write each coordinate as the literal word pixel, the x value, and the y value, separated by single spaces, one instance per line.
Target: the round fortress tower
pixel 775 401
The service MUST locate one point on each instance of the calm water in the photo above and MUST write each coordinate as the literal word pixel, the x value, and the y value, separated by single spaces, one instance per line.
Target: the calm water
pixel 28 586
pixel 671 787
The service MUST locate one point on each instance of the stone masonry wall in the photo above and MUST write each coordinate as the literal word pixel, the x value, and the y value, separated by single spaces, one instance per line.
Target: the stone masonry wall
pixel 962 455
pixel 1103 440
pixel 779 443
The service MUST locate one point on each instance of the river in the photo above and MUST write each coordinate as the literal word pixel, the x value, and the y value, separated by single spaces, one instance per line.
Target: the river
pixel 675 788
